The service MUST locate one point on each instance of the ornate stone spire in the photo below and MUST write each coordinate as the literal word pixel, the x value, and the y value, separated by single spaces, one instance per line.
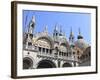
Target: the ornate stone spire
pixel 61 33
pixel 33 19
pixel 56 31
pixel 31 25
pixel 56 27
pixel 46 29
pixel 71 37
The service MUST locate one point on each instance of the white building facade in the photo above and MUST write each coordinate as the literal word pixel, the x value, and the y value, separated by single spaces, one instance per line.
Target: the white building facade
pixel 42 50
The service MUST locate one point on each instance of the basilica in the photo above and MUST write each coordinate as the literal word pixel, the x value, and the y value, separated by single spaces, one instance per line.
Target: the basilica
pixel 44 50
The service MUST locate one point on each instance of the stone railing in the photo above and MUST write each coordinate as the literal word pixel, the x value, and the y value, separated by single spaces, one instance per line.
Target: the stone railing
pixel 56 57
pixel 31 48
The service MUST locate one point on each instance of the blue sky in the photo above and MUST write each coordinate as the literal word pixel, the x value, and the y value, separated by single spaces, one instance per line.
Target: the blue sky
pixel 67 20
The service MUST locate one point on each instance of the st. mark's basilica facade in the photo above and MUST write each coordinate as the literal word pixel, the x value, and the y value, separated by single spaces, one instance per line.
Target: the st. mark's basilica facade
pixel 44 50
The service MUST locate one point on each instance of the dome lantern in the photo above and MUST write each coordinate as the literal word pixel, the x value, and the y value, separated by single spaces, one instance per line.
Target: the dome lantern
pixel 79 35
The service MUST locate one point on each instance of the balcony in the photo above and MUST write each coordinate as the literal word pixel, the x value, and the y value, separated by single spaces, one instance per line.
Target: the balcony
pixel 31 48
pixel 51 54
pixel 56 57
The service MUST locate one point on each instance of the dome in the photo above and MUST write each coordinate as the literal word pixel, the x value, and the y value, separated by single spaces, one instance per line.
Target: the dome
pixel 79 37
pixel 81 44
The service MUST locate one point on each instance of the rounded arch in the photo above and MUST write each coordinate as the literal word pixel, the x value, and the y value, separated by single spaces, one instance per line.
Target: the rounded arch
pixel 88 49
pixel 64 44
pixel 48 38
pixel 63 47
pixel 86 53
pixel 46 64
pixel 27 63
pixel 66 65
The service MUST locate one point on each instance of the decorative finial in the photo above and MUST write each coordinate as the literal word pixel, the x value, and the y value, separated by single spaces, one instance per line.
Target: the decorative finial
pixel 33 19
pixel 31 25
pixel 79 31
pixel 56 27
pixel 45 29
pixel 71 38
pixel 71 33
pixel 60 31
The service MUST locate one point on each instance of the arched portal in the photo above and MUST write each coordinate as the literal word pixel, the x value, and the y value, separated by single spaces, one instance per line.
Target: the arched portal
pixel 45 41
pixel 67 65
pixel 27 63
pixel 46 64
